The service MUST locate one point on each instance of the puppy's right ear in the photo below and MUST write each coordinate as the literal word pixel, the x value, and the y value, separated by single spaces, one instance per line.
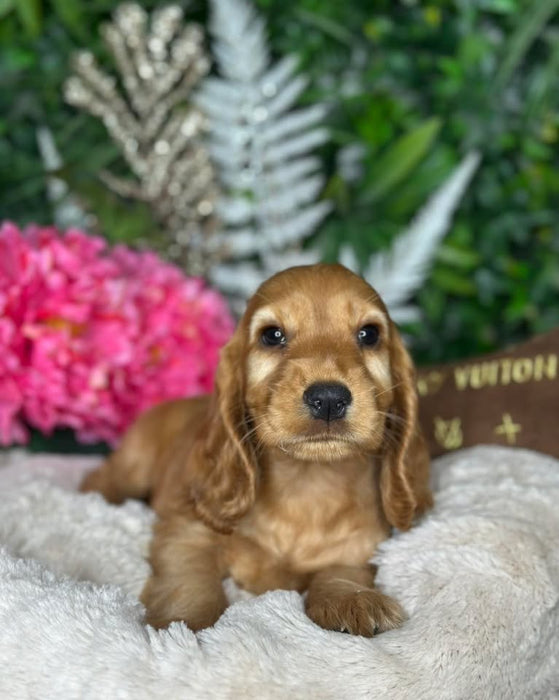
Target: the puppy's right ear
pixel 405 464
pixel 223 482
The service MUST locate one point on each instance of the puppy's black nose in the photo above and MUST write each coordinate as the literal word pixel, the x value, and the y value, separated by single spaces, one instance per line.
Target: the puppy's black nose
pixel 327 400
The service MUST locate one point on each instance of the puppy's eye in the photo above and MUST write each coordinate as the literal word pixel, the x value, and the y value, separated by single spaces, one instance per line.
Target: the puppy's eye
pixel 369 335
pixel 273 336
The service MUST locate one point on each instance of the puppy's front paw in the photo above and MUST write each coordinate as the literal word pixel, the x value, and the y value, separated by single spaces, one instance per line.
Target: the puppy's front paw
pixel 357 611
pixel 196 618
pixel 198 608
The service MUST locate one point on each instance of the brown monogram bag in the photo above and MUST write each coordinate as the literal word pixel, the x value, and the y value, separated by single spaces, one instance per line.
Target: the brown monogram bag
pixel 506 398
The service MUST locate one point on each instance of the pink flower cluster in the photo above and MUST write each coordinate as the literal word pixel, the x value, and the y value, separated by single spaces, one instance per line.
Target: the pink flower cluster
pixel 90 337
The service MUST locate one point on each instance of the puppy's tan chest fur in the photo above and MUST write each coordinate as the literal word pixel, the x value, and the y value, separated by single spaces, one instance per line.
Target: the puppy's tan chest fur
pixel 303 522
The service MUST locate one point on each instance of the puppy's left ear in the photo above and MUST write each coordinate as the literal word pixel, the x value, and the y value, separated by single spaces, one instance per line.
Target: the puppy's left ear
pixel 405 489
pixel 223 468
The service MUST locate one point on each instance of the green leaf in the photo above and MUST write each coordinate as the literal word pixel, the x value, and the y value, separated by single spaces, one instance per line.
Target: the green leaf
pixel 70 13
pixel 16 58
pixel 121 221
pixel 529 27
pixel 6 6
pixel 458 257
pixel 453 283
pixel 415 191
pixel 337 191
pixel 324 24
pixel 30 15
pixel 505 7
pixel 399 160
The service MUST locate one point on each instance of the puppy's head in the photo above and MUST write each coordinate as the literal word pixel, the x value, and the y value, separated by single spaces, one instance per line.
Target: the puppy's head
pixel 317 370
pixel 319 374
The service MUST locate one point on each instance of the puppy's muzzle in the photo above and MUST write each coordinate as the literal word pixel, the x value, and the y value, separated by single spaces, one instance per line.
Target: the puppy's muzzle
pixel 327 401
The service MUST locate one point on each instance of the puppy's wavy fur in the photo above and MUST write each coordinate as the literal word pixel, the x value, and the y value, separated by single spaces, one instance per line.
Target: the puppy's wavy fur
pixel 249 483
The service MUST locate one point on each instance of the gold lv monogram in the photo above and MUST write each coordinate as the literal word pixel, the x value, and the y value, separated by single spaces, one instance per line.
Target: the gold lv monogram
pixel 508 429
pixel 430 383
pixel 448 433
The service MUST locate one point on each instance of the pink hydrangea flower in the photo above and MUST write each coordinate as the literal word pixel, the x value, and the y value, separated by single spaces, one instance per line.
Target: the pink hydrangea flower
pixel 91 336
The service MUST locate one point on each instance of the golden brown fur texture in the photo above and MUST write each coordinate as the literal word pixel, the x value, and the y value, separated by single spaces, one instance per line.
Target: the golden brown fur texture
pixel 294 470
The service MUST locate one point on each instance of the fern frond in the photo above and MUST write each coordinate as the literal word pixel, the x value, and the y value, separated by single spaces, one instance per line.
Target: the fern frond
pixel 277 75
pixel 296 146
pixel 397 273
pixel 241 279
pixel 262 146
pixel 295 229
pixel 283 198
pixel 294 123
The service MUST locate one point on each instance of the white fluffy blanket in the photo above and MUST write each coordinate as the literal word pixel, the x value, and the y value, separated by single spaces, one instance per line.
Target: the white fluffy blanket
pixel 479 579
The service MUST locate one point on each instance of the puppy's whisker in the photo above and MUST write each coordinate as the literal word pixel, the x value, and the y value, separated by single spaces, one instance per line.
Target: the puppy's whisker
pixel 391 388
pixel 250 433
pixel 394 417
pixel 353 584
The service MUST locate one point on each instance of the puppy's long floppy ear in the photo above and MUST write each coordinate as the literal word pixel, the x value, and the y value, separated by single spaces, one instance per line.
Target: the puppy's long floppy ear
pixel 405 460
pixel 223 479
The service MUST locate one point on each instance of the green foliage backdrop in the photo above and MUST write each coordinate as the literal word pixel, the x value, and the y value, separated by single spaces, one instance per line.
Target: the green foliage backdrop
pixel 411 85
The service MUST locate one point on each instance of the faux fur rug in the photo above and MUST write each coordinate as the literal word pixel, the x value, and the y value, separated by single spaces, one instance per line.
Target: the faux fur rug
pixel 479 579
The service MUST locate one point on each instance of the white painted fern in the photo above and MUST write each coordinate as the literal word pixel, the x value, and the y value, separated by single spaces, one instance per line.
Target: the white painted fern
pixel 401 270
pixel 66 210
pixel 263 149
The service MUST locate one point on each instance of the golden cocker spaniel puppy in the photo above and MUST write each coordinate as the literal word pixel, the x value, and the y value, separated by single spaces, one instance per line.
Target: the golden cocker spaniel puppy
pixel 292 472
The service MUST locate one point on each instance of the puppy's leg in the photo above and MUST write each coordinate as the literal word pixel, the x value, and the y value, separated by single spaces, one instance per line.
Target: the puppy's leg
pixel 343 598
pixel 187 574
pixel 136 467
pixel 119 478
